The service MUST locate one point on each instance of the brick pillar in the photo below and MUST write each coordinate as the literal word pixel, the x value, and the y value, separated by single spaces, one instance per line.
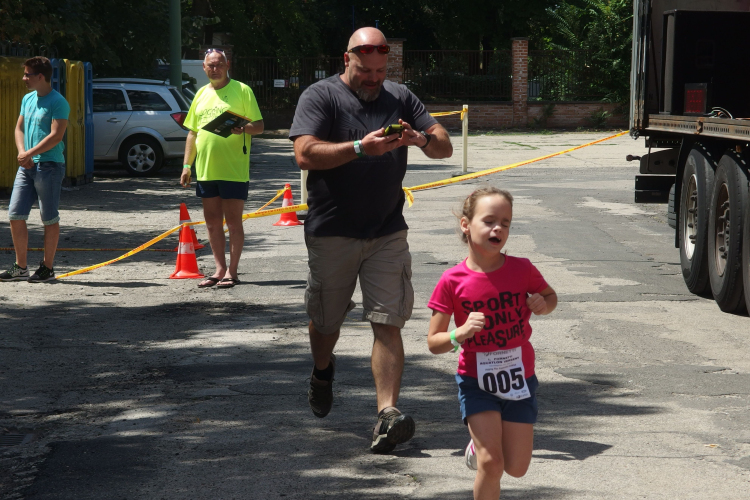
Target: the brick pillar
pixel 520 72
pixel 395 71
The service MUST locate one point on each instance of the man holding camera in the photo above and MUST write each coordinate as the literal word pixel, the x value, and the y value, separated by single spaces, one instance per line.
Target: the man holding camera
pixel 355 227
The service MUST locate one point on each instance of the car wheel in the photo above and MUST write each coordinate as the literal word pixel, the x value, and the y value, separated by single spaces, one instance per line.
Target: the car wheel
pixel 725 224
pixel 695 197
pixel 141 156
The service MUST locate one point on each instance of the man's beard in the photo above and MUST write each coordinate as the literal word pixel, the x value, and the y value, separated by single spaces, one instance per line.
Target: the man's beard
pixel 368 95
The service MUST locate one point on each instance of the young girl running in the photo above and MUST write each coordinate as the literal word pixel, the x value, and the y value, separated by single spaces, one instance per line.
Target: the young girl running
pixel 491 296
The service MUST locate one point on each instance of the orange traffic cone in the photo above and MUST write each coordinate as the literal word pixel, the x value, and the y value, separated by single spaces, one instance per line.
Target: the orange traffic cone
pixel 187 265
pixel 185 217
pixel 288 218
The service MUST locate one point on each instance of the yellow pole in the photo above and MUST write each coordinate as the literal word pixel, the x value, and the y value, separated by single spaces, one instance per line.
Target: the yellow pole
pixel 303 187
pixel 465 134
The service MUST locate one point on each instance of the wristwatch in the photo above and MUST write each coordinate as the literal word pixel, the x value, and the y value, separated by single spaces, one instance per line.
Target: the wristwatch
pixel 426 136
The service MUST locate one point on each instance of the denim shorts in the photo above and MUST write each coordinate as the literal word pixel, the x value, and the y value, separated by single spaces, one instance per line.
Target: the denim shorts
pixel 475 400
pixel 227 190
pixel 41 182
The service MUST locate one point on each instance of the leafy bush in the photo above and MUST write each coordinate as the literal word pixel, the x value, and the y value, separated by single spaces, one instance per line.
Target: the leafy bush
pixel 598 119
pixel 541 121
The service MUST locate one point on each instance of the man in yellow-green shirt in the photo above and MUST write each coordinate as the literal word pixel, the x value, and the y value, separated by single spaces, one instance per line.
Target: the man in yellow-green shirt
pixel 222 165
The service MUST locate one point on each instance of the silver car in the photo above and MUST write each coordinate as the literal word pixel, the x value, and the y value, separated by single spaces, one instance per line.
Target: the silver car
pixel 138 122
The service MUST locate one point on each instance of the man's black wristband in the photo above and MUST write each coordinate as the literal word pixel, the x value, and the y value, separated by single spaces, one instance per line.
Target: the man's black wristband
pixel 426 136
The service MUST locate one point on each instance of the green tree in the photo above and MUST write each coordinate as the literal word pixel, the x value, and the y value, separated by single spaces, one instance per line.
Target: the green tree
pixel 63 24
pixel 120 37
pixel 604 28
pixel 269 27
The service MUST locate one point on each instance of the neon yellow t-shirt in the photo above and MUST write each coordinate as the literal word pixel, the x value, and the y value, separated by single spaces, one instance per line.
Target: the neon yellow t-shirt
pixel 219 158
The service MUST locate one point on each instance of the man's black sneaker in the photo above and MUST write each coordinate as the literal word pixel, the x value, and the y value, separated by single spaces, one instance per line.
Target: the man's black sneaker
pixel 392 428
pixel 15 273
pixel 320 393
pixel 44 273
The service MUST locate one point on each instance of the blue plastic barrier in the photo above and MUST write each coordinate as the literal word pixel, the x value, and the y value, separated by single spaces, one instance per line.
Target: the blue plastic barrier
pixel 89 119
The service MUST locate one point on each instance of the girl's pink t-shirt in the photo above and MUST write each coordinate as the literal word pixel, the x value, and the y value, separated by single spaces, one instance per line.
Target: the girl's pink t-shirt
pixel 501 297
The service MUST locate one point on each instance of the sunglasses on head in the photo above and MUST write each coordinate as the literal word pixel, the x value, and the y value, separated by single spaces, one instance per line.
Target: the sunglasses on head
pixel 368 49
pixel 211 51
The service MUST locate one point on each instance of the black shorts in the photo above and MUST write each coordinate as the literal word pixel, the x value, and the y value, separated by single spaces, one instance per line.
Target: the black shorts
pixel 227 190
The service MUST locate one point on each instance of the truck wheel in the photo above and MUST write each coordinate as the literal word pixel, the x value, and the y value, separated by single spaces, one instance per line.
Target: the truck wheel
pixel 746 250
pixel 697 185
pixel 725 224
pixel 671 215
pixel 141 156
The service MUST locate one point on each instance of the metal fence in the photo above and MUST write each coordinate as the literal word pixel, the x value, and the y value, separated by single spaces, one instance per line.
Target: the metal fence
pixel 458 75
pixel 17 49
pixel 563 75
pixel 278 82
pixel 435 75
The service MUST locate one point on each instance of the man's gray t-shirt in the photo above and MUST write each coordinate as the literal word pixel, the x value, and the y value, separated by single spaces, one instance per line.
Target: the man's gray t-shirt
pixel 362 198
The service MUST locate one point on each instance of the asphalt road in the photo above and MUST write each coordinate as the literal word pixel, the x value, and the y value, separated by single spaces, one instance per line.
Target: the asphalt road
pixel 129 385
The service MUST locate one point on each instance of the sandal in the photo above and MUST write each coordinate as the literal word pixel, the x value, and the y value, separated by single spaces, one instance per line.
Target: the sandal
pixel 210 281
pixel 228 283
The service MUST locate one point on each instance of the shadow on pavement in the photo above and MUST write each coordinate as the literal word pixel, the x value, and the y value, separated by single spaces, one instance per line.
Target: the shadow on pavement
pixel 151 412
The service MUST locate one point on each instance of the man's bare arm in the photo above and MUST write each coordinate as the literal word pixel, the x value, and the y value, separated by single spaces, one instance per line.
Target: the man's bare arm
pixel 188 159
pixel 313 153
pixel 19 135
pixel 252 128
pixel 57 131
pixel 190 151
pixel 440 145
pixel 255 128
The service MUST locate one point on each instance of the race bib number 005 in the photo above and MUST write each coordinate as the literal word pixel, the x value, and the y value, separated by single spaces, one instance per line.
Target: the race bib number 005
pixel 501 374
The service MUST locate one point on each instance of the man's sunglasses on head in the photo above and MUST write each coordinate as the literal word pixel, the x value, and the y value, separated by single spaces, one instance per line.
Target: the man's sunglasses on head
pixel 208 51
pixel 369 49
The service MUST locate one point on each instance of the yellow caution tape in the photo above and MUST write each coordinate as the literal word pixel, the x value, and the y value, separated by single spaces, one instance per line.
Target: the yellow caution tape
pixel 296 208
pixel 124 256
pixel 254 215
pixel 11 249
pixel 481 173
pixel 461 112
pixel 447 113
pixel 278 193
pixel 275 211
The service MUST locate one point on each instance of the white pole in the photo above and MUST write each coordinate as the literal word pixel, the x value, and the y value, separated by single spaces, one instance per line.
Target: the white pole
pixel 303 186
pixel 465 134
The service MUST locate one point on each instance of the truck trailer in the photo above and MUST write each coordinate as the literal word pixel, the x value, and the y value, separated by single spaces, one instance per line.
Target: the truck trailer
pixel 690 100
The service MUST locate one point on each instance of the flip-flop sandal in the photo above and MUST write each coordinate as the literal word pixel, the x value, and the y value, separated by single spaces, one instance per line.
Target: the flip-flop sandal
pixel 210 281
pixel 228 283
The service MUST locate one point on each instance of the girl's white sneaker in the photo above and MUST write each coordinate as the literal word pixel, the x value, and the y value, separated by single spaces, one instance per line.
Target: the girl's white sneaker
pixel 470 455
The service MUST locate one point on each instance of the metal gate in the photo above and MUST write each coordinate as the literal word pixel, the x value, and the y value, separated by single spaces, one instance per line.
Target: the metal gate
pixel 278 82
